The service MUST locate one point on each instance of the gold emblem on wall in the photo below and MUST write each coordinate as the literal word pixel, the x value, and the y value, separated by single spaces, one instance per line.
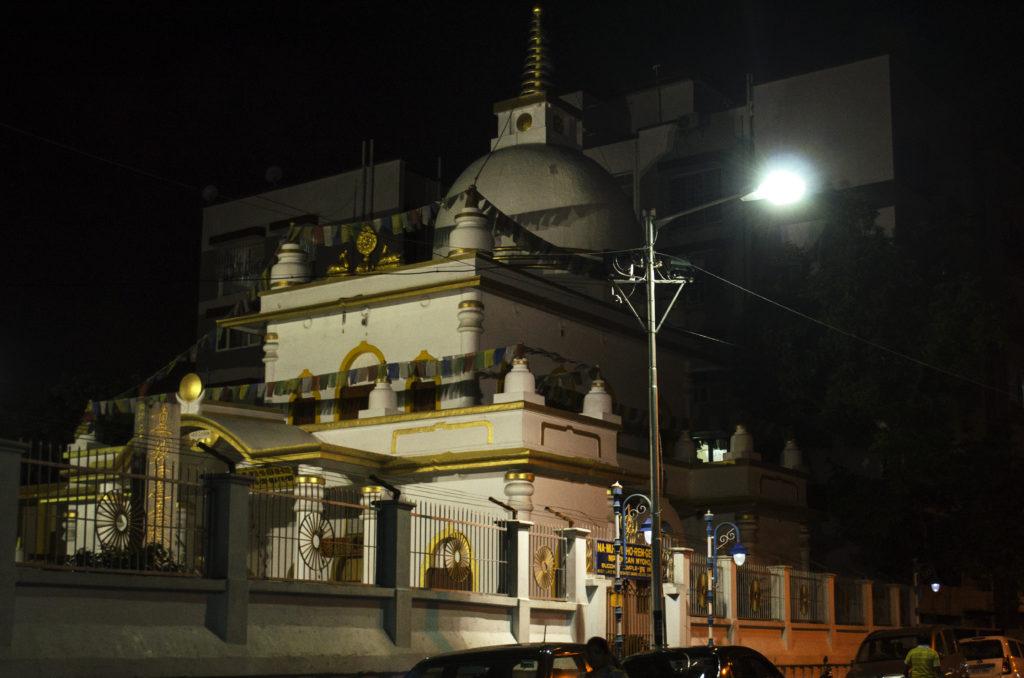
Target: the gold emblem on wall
pixel 373 252
pixel 804 597
pixel 454 552
pixel 544 568
pixel 755 595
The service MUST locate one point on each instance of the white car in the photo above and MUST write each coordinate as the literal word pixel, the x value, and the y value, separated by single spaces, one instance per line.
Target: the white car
pixel 993 657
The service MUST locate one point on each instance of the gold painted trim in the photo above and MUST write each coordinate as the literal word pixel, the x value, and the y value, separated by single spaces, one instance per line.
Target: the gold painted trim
pixel 513 475
pixel 327 280
pixel 361 349
pixel 459 411
pixel 547 425
pixel 423 355
pixel 471 303
pixel 314 394
pixel 346 303
pixel 413 416
pixel 441 426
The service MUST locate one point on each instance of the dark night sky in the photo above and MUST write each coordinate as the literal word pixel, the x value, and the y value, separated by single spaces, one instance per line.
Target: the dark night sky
pixel 104 260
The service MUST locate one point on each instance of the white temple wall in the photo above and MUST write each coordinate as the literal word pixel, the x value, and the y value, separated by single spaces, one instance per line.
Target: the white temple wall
pixel 400 331
pixel 622 358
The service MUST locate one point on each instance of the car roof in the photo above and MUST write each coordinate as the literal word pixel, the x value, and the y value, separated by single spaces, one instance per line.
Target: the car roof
pixel 511 649
pixel 703 649
pixel 906 631
pixel 974 638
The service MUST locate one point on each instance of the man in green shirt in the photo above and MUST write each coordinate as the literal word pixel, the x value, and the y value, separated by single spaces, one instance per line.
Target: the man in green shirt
pixel 922 661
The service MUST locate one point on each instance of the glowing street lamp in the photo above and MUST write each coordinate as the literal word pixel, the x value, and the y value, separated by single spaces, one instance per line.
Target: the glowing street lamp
pixel 781 187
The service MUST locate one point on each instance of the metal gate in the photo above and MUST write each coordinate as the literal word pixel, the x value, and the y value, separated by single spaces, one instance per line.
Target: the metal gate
pixel 636 616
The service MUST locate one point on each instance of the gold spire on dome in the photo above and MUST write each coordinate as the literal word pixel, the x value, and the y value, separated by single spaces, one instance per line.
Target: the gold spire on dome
pixel 538 69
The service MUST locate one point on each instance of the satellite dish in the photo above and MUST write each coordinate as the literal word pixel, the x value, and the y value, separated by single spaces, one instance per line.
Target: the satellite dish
pixel 273 174
pixel 210 193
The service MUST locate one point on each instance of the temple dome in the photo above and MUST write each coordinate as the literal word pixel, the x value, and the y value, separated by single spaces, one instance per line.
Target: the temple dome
pixel 554 191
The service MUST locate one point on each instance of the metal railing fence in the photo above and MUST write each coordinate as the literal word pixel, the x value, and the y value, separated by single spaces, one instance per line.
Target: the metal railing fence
pixel 547 562
pixel 112 509
pixel 881 606
pixel 807 597
pixel 304 531
pixel 759 593
pixel 699 587
pixel 456 548
pixel 849 601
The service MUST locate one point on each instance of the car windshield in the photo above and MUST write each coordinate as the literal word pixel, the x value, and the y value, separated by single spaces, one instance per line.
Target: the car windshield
pixel 692 664
pixel 886 648
pixel 982 649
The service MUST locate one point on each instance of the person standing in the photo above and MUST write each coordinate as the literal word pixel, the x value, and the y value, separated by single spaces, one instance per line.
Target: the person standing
pixel 922 661
pixel 601 659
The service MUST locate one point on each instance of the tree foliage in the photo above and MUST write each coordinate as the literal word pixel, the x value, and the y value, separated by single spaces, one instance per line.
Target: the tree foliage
pixel 916 459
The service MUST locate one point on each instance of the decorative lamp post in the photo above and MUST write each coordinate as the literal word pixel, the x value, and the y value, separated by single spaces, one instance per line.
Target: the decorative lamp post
pixel 645 268
pixel 739 556
pixel 619 528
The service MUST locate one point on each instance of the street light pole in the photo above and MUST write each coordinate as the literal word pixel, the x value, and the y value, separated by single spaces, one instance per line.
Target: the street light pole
pixel 739 554
pixel 779 187
pixel 653 273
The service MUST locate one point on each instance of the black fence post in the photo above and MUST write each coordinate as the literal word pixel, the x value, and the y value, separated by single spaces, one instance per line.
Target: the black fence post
pixel 227 612
pixel 394 545
pixel 10 477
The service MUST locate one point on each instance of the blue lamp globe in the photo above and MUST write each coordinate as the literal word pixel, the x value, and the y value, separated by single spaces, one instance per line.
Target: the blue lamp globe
pixel 739 554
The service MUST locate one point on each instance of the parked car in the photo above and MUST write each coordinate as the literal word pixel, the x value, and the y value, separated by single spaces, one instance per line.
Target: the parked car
pixel 993 656
pixel 530 660
pixel 882 653
pixel 725 661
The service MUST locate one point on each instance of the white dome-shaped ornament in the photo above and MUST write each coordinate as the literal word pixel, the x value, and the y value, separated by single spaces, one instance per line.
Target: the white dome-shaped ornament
pixel 291 267
pixel 598 403
pixel 519 385
pixel 383 400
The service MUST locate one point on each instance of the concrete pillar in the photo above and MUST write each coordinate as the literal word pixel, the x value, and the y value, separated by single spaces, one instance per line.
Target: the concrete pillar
pixel 727 587
pixel 869 603
pixel 270 345
pixel 517 575
pixel 471 320
pixel 677 599
pixel 394 544
pixel 308 506
pixel 829 585
pixel 227 613
pixel 781 609
pixel 575 573
pixel 516 534
pixel 371 494
pixel 10 474
pixel 894 606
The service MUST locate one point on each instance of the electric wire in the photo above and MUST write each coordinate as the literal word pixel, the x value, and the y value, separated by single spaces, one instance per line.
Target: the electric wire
pixel 855 337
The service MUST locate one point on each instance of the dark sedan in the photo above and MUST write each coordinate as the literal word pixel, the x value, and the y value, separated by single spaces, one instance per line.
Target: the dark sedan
pixel 531 660
pixel 726 661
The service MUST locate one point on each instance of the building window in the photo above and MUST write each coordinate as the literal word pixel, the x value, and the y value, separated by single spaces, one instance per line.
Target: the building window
pixel 692 189
pixel 304 411
pixel 239 266
pixel 240 337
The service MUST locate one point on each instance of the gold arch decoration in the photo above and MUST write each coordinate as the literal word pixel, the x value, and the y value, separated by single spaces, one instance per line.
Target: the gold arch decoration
pixel 450 559
pixel 362 348
pixel 314 394
pixel 413 379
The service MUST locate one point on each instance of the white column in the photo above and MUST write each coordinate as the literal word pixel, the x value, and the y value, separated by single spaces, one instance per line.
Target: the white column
pixel 471 232
pixel 727 587
pixel 471 320
pixel 371 493
pixel 270 345
pixel 309 494
pixel 677 599
pixel 575 540
pixel 781 607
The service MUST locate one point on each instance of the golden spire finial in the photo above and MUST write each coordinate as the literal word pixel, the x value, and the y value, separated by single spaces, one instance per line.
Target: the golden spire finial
pixel 537 69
